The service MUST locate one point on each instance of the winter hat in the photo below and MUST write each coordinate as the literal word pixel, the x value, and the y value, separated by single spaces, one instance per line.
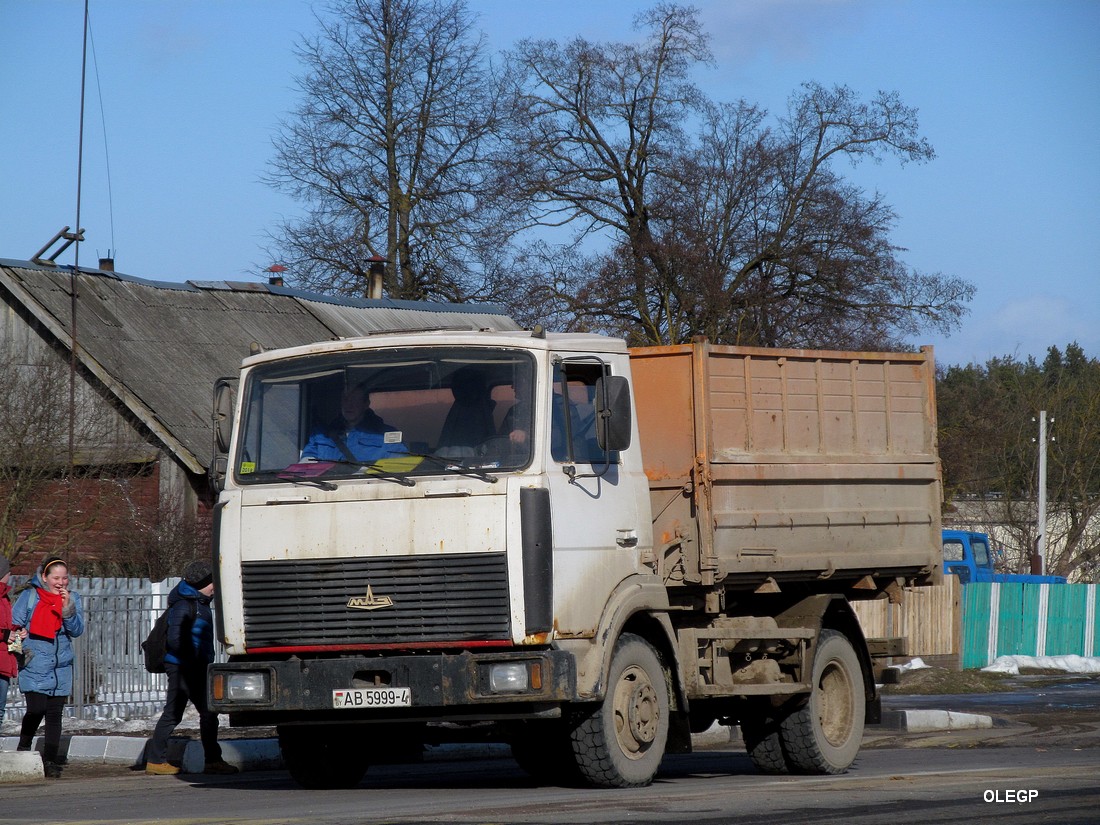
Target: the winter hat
pixel 5 566
pixel 198 574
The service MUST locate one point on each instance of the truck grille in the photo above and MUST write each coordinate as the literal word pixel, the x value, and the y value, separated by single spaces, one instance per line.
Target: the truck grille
pixel 303 603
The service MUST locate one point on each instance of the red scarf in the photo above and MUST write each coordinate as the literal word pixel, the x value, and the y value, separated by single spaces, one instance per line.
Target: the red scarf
pixel 46 619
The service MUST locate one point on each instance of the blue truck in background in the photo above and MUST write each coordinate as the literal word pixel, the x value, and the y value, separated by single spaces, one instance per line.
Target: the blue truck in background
pixel 968 556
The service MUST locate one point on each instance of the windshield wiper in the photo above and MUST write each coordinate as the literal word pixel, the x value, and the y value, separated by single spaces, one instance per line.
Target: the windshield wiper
pixel 373 469
pixel 401 478
pixel 454 467
pixel 299 478
pixel 324 485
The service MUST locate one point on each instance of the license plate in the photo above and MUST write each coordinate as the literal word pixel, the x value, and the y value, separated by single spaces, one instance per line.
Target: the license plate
pixel 377 697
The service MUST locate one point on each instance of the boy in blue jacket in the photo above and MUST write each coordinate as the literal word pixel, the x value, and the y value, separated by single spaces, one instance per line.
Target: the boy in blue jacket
pixel 190 651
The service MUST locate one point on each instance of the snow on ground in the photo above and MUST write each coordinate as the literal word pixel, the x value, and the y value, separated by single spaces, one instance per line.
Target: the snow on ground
pixel 916 663
pixel 71 726
pixel 1071 664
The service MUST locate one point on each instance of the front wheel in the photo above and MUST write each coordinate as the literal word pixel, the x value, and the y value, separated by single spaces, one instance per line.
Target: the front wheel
pixel 322 757
pixel 544 750
pixel 621 743
pixel 824 735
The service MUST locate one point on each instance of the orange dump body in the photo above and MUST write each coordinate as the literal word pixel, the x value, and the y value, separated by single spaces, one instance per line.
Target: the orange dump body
pixel 776 466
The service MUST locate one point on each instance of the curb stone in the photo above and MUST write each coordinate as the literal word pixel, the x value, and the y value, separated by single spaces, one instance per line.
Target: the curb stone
pixel 21 767
pixel 926 721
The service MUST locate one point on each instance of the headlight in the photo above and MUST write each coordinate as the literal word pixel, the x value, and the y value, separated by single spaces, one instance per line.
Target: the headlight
pixel 509 677
pixel 246 687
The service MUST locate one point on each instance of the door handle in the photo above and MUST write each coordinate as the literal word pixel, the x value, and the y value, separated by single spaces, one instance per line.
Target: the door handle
pixel 627 538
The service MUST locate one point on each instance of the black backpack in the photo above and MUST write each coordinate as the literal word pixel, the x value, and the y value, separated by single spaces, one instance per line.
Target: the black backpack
pixel 155 645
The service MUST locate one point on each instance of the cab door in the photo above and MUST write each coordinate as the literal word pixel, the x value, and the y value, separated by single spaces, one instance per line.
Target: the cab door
pixel 593 500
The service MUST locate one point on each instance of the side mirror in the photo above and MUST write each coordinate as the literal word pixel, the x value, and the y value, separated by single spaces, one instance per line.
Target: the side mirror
pixel 612 413
pixel 223 415
pixel 222 419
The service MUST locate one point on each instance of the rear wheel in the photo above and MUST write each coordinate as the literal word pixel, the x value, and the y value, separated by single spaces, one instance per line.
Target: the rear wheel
pixel 621 743
pixel 322 757
pixel 823 736
pixel 763 743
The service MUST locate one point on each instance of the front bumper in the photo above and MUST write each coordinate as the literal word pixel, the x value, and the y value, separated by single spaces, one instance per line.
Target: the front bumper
pixel 444 687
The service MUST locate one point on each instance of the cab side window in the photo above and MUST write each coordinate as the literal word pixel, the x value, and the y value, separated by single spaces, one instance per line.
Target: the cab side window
pixel 573 414
pixel 952 550
pixel 981 552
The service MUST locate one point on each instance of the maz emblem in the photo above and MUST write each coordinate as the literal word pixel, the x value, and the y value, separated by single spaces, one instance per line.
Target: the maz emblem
pixel 370 601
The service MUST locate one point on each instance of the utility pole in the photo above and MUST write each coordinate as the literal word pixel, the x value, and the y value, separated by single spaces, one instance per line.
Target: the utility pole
pixel 1042 525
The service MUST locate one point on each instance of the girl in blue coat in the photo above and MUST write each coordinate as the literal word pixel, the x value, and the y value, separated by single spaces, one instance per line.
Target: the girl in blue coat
pixel 48 617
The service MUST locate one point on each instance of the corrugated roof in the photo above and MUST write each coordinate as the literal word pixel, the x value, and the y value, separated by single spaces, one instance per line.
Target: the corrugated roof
pixel 159 346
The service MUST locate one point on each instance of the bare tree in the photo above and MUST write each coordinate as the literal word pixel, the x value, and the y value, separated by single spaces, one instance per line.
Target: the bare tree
pixel 159 544
pixel 389 150
pixel 596 127
pixel 43 504
pixel 742 231
pixel 683 216
pixel 99 504
pixel 791 254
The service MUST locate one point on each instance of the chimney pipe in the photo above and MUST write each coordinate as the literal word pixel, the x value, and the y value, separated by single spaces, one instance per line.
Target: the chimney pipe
pixel 375 273
pixel 276 276
pixel 106 264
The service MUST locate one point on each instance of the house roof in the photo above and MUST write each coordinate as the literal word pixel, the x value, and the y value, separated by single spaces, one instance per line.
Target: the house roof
pixel 159 346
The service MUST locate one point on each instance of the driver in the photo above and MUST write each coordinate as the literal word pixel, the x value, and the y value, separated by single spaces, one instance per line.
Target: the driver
pixel 359 435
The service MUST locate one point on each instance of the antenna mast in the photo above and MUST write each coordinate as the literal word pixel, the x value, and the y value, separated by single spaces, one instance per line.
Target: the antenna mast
pixel 73 284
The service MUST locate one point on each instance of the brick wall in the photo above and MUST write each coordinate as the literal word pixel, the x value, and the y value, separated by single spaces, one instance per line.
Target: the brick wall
pixel 101 512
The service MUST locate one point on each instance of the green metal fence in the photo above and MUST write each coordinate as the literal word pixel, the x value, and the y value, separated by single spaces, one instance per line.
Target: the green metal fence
pixel 1015 619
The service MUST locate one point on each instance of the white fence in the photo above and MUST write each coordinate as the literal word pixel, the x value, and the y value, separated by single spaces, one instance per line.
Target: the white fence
pixel 109 676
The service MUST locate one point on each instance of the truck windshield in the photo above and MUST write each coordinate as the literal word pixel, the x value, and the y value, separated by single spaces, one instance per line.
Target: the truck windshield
pixel 394 413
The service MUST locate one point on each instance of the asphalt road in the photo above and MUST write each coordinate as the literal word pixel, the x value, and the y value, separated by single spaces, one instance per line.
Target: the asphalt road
pixel 1041 712
pixel 899 786
pixel 1039 763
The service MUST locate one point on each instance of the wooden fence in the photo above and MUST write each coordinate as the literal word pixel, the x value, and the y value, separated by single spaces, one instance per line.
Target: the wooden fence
pixel 928 618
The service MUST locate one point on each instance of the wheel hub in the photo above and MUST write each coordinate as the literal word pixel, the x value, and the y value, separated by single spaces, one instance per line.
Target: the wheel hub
pixel 835 710
pixel 637 712
pixel 643 713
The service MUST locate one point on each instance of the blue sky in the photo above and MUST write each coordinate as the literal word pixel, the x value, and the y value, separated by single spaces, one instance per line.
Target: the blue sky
pixel 193 90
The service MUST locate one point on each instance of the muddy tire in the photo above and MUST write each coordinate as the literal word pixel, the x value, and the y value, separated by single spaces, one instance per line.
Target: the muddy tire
pixel 545 752
pixel 322 758
pixel 620 743
pixel 823 736
pixel 764 745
